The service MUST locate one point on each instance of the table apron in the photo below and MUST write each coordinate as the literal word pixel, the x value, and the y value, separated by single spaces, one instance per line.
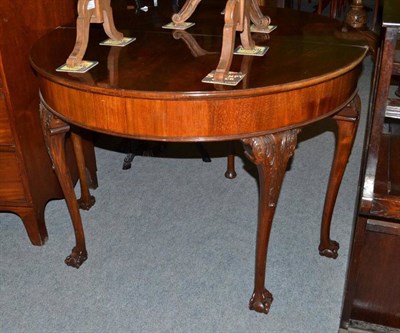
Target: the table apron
pixel 208 119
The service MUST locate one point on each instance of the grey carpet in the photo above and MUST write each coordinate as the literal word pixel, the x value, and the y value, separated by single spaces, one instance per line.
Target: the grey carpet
pixel 171 248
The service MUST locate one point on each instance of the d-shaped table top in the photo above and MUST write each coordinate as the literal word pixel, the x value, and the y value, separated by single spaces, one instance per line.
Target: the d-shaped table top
pixel 309 72
pixel 303 50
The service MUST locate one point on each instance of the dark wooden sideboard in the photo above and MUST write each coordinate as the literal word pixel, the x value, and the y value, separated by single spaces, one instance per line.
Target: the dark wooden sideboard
pixel 372 293
pixel 27 181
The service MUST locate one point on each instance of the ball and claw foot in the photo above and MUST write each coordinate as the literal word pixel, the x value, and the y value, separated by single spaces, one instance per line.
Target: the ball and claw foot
pixel 331 251
pixel 86 205
pixel 76 258
pixel 261 304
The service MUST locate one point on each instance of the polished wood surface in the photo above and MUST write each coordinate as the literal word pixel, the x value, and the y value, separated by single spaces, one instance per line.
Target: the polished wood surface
pixel 152 89
pixel 27 180
pixel 239 15
pixel 290 77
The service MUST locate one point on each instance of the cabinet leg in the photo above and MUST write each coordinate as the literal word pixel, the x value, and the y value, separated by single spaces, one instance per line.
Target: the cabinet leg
pixel 34 225
pixel 54 130
pixel 347 123
pixel 270 153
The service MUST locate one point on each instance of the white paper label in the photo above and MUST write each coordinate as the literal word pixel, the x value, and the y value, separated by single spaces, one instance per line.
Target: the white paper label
pixel 91 5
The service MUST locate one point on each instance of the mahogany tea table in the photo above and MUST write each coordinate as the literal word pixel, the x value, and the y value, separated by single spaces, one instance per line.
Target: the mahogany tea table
pixel 151 89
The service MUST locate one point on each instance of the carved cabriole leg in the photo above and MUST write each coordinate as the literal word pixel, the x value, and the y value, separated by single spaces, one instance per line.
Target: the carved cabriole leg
pixel 54 130
pixel 347 122
pixel 270 153
pixel 86 201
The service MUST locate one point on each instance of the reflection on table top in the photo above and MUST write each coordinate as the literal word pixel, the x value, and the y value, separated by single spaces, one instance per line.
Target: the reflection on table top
pixel 303 49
